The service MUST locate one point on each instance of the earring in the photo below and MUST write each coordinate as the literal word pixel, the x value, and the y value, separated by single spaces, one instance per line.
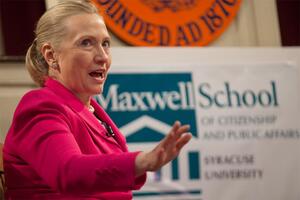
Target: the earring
pixel 54 65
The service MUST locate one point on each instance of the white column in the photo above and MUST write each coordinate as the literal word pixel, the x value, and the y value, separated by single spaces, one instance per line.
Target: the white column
pixel 255 25
pixel 267 23
pixel 242 30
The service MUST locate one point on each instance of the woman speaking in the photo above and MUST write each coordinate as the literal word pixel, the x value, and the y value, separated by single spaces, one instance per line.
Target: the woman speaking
pixel 62 144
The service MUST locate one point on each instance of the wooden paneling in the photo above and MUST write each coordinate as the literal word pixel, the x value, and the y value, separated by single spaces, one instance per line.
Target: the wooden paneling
pixel 289 18
pixel 14 83
pixel 19 18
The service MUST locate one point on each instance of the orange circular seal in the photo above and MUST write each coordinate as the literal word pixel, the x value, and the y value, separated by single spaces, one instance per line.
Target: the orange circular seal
pixel 168 22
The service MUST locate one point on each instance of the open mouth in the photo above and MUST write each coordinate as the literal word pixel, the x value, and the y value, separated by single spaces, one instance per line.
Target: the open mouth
pixel 97 74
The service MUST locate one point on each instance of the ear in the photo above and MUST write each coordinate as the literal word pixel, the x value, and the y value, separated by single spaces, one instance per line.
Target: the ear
pixel 48 54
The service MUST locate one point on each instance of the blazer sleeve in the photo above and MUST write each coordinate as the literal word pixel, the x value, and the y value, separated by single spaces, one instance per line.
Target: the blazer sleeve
pixel 43 138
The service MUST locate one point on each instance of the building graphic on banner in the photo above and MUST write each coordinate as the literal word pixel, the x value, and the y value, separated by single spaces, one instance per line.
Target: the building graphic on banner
pixel 145 106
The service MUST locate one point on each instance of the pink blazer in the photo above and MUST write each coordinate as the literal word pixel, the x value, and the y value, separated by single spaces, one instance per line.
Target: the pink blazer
pixel 57 149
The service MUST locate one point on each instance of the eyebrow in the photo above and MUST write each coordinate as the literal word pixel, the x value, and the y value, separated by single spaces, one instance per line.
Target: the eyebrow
pixel 92 36
pixel 107 37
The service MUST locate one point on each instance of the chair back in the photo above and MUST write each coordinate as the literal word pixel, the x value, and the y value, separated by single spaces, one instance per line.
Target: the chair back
pixel 2 181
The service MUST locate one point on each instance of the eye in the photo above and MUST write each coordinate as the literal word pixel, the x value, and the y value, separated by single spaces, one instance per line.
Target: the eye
pixel 106 44
pixel 86 42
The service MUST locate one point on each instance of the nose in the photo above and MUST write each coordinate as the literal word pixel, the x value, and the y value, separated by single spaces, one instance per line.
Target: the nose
pixel 102 56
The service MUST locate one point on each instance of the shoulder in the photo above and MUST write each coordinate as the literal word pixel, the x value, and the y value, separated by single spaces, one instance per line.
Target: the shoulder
pixel 41 95
pixel 40 100
pixel 41 107
pixel 37 95
pixel 38 113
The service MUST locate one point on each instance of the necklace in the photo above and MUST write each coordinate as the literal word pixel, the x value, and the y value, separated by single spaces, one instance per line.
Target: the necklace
pixel 91 109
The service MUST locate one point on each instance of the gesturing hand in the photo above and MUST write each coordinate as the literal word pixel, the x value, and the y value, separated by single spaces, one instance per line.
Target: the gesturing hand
pixel 167 149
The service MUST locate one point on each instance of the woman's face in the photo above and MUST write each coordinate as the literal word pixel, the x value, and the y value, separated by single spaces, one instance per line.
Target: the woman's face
pixel 84 55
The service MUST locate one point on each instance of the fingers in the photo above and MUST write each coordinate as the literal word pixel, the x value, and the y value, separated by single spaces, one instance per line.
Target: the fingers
pixel 183 140
pixel 182 129
pixel 172 133
pixel 169 147
pixel 175 133
pixel 176 126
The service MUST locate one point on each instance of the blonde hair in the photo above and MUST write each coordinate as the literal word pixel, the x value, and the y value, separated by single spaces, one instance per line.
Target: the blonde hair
pixel 50 28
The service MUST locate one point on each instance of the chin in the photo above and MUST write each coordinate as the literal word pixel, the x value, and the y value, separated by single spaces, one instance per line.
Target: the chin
pixel 97 90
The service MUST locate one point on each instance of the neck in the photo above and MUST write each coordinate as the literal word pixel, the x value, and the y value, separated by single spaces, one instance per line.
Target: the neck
pixel 83 97
pixel 86 100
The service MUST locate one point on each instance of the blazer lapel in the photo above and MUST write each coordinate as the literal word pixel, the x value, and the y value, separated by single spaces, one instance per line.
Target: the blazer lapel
pixel 95 126
pixel 104 117
pixel 77 106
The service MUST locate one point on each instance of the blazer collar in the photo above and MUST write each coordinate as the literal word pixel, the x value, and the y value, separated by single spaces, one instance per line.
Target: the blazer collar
pixel 66 95
pixel 73 102
pixel 103 116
